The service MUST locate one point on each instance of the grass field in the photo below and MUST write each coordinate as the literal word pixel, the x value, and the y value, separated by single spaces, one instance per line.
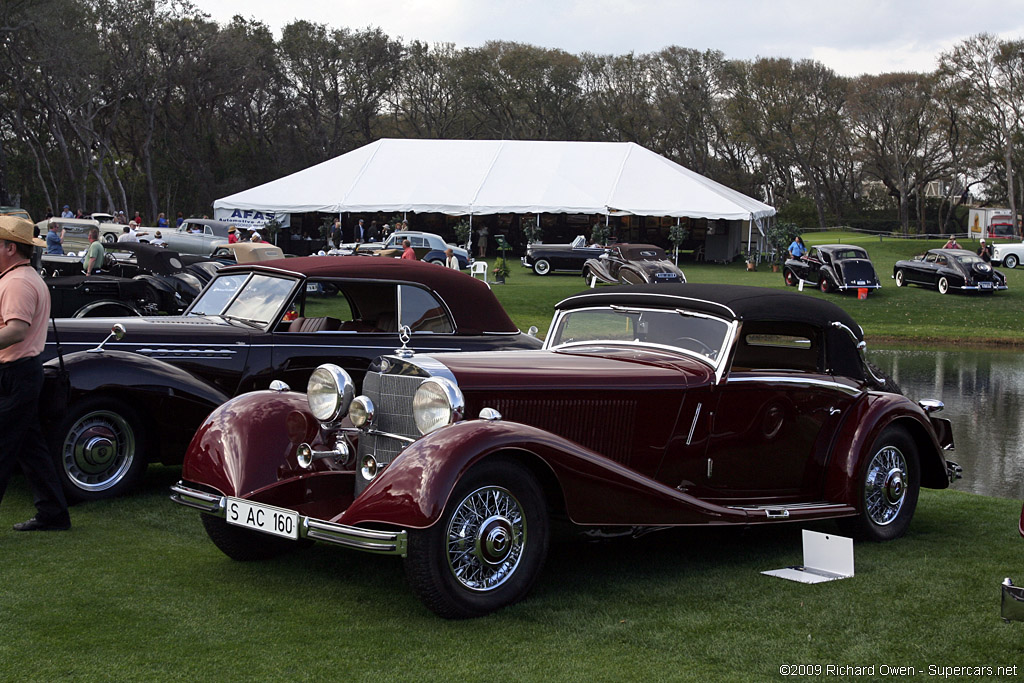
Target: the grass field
pixel 912 314
pixel 135 591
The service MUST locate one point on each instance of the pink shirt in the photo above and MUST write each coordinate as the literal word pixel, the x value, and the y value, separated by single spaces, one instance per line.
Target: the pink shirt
pixel 24 296
pixel 409 253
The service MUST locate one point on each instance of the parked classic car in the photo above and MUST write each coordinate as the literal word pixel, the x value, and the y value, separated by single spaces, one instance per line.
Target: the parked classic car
pixel 649 406
pixel 1009 255
pixel 947 269
pixel 140 280
pixel 141 398
pixel 197 236
pixel 428 247
pixel 833 268
pixel 560 258
pixel 632 264
pixel 76 231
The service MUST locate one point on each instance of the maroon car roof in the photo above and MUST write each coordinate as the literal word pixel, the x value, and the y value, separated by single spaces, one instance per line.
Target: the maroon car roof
pixel 473 305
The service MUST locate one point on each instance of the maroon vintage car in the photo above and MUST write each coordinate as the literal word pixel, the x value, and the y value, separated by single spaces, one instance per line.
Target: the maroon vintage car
pixel 649 406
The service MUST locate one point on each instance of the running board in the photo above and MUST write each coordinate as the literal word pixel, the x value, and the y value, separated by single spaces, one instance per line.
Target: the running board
pixel 794 511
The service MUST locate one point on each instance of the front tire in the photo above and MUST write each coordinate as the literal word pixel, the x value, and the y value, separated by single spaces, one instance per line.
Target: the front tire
pixel 244 545
pixel 1011 261
pixel 890 481
pixel 541 267
pixel 943 285
pixel 790 277
pixel 487 549
pixel 100 452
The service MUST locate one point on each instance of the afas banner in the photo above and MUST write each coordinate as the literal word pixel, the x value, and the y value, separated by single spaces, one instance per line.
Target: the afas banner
pixel 251 219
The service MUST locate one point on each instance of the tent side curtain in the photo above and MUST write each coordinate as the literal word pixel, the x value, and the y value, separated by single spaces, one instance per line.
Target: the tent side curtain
pixel 461 177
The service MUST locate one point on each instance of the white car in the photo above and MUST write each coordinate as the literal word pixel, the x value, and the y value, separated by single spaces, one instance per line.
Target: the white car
pixel 1008 255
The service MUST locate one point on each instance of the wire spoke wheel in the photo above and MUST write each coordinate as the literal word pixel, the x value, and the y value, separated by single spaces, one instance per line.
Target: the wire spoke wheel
pixel 885 487
pixel 486 538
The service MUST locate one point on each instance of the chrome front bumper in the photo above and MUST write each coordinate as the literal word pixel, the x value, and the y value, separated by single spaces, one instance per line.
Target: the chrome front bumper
pixel 356 538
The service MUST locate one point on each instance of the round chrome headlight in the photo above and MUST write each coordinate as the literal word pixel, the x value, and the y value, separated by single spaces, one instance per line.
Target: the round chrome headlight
pixel 361 411
pixel 437 402
pixel 329 393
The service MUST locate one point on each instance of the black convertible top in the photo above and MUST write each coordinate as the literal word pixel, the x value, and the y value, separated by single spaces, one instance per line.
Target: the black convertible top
pixel 737 302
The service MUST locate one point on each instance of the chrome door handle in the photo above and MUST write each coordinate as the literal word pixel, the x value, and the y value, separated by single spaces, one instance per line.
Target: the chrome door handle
pixel 834 411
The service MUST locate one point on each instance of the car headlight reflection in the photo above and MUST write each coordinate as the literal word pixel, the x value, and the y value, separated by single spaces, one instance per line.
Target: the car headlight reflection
pixel 437 402
pixel 329 393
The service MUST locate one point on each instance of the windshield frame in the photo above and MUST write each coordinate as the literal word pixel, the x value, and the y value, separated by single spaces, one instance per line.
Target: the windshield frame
pixel 718 364
pixel 274 318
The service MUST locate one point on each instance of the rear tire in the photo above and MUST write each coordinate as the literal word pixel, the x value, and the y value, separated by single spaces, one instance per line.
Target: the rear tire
pixel 900 281
pixel 825 285
pixel 1011 261
pixel 888 487
pixel 943 286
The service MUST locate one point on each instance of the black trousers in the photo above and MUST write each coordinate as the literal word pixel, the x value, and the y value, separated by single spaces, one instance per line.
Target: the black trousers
pixel 21 439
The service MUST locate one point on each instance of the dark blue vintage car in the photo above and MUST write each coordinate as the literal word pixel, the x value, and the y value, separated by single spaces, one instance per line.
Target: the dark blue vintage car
pixel 560 258
pixel 947 269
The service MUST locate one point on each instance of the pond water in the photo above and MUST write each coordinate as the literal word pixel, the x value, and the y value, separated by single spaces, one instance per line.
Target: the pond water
pixel 984 395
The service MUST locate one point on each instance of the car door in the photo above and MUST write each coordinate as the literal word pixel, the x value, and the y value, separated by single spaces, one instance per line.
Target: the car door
pixel 774 419
pixel 349 323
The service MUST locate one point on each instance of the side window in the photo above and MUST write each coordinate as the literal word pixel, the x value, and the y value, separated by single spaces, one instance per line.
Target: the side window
pixel 207 230
pixel 422 312
pixel 418 241
pixel 777 346
pixel 930 258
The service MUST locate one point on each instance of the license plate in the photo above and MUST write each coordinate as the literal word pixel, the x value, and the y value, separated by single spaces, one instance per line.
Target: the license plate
pixel 312 287
pixel 862 282
pixel 986 285
pixel 265 518
pixel 665 276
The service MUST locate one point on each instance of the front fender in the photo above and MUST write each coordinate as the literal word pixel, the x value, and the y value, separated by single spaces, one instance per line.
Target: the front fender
pixel 168 398
pixel 413 491
pixel 249 442
pixel 865 421
pixel 599 269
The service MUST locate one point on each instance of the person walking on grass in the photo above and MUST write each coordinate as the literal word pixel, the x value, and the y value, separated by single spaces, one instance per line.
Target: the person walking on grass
pixel 24 312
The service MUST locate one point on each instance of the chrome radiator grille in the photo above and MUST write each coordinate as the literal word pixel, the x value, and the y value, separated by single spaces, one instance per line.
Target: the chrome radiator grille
pixel 392 401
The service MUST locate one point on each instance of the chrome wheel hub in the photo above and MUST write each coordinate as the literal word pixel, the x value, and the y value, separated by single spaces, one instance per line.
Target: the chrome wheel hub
pixel 885 487
pixel 486 538
pixel 98 451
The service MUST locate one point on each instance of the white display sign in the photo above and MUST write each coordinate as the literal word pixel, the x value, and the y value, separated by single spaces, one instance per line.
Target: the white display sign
pixel 251 219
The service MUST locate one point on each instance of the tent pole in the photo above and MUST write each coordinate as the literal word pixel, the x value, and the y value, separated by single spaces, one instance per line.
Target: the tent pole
pixel 676 244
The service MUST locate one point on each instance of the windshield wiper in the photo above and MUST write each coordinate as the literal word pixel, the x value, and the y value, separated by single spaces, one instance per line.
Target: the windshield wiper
pixel 245 321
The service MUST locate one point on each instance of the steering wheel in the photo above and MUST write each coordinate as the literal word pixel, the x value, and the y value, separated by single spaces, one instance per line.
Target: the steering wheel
pixel 704 348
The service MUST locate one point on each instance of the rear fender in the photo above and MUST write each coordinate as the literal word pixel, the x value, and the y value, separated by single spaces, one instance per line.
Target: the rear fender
pixel 865 421
pixel 249 443
pixel 413 491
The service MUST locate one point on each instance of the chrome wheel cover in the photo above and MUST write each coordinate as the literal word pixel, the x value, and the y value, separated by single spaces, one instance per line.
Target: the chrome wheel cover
pixel 885 486
pixel 486 538
pixel 98 450
pixel 542 267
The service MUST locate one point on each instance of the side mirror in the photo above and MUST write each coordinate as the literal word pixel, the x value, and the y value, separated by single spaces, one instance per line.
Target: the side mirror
pixel 532 331
pixel 116 332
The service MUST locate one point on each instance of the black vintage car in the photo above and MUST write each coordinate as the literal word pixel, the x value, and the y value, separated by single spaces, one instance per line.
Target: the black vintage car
pixel 141 398
pixel 632 264
pixel 833 268
pixel 947 269
pixel 560 258
pixel 143 280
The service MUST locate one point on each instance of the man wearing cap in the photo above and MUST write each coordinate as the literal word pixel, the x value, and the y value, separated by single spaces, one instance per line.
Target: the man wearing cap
pixel 67 212
pixel 24 311
pixel 232 234
pixel 984 251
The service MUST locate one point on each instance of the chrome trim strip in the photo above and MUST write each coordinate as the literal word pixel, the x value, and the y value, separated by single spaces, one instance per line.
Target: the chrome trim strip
pixel 770 379
pixel 355 538
pixel 789 506
pixel 667 296
pixel 693 426
pixel 397 437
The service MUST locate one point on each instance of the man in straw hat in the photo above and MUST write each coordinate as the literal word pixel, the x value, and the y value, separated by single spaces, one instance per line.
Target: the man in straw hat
pixel 24 311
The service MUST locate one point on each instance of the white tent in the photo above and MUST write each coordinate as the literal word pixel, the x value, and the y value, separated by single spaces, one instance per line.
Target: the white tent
pixel 500 176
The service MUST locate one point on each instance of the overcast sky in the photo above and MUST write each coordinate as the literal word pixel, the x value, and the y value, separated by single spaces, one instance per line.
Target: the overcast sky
pixel 852 37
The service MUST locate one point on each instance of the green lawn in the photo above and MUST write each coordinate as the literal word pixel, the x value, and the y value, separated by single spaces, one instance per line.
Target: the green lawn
pixel 135 591
pixel 910 314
